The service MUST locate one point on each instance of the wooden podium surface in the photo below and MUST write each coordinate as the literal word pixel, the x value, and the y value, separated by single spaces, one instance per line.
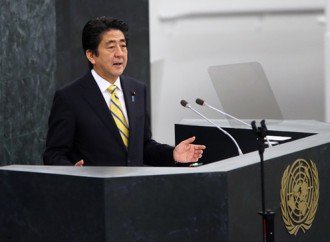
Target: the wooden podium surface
pixel 218 201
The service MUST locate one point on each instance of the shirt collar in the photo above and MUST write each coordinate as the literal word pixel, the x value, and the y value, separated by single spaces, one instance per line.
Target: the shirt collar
pixel 104 84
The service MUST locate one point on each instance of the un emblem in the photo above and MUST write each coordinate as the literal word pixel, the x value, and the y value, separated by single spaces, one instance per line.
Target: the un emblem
pixel 299 195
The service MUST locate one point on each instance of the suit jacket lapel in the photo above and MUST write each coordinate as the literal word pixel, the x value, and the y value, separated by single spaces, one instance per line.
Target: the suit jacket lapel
pixel 128 88
pixel 94 98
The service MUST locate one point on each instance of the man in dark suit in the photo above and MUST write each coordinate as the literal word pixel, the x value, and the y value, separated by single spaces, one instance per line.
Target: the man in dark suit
pixel 83 127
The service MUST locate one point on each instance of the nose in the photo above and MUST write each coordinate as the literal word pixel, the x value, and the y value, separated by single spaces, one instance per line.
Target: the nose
pixel 119 51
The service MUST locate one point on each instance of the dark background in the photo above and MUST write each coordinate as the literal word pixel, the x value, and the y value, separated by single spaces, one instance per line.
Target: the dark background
pixel 40 48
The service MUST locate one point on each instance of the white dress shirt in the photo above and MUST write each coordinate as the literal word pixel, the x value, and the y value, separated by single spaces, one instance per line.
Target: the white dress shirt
pixel 104 85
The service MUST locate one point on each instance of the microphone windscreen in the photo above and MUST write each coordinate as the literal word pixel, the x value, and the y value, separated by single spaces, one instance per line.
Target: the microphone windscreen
pixel 184 103
pixel 200 101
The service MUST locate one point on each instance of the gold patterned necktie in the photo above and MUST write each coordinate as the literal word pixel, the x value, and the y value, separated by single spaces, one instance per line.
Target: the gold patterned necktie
pixel 117 113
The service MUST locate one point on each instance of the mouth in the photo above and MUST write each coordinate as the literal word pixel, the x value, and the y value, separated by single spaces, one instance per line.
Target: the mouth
pixel 117 63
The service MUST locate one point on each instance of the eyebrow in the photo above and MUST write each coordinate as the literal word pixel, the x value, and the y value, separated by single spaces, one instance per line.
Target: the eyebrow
pixel 114 41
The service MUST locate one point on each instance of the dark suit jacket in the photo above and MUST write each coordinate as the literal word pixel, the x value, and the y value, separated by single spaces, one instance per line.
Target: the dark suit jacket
pixel 82 127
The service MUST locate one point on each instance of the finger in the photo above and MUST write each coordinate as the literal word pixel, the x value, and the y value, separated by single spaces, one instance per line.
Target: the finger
pixel 198 155
pixel 194 159
pixel 189 140
pixel 200 147
pixel 199 152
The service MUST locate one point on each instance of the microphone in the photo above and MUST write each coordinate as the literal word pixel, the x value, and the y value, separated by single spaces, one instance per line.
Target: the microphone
pixel 203 103
pixel 185 104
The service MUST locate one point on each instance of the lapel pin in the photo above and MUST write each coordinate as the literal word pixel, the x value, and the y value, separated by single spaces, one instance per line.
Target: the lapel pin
pixel 133 96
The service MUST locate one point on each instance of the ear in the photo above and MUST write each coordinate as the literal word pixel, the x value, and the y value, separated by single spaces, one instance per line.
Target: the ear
pixel 90 56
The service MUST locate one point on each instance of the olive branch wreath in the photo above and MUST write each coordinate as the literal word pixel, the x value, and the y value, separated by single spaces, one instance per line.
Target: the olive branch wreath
pixel 291 227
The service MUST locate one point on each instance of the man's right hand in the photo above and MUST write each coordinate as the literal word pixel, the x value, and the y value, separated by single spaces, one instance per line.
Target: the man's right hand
pixel 79 163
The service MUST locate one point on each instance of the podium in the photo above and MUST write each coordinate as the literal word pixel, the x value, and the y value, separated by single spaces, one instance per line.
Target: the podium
pixel 218 201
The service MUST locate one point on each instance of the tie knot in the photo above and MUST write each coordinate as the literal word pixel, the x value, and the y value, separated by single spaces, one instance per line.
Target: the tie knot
pixel 112 89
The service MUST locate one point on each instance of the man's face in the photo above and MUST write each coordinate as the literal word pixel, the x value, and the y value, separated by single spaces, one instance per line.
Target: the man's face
pixel 111 60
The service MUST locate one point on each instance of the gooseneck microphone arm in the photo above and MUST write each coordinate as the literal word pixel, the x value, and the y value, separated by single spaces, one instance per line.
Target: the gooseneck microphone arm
pixel 203 103
pixel 187 105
